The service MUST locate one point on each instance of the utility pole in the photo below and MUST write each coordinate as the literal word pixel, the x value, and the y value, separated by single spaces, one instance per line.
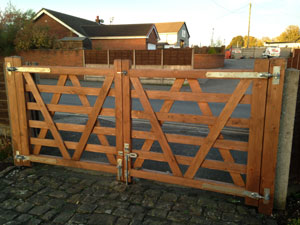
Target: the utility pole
pixel 249 24
pixel 212 38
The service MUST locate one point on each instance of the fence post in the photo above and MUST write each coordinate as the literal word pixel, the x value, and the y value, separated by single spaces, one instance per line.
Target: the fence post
pixel 162 59
pixel 287 121
pixel 271 133
pixel 17 110
pixel 108 58
pixel 193 55
pixel 134 58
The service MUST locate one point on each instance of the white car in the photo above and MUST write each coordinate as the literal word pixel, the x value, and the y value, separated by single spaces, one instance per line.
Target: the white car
pixel 271 52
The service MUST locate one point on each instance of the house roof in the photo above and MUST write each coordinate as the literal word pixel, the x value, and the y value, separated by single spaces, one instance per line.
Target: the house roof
pixel 71 22
pixel 121 30
pixel 169 27
pixel 87 28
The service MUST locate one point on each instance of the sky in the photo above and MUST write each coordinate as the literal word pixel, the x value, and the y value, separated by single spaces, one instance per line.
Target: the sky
pixel 205 19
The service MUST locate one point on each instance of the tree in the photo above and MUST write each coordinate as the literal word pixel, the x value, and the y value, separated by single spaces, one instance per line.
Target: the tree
pixel 253 42
pixel 11 21
pixel 291 34
pixel 34 37
pixel 237 41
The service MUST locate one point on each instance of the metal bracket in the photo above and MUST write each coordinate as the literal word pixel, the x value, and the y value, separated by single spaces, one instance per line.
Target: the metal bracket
pixel 124 72
pixel 11 69
pixel 119 168
pixel 19 157
pixel 276 75
pixel 239 192
pixel 265 75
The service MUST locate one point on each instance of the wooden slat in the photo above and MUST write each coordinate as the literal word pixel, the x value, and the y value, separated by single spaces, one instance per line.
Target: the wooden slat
pixel 189 118
pixel 119 112
pixel 271 132
pixel 89 165
pixel 47 116
pixel 23 116
pixel 93 117
pixel 55 99
pixel 85 102
pixel 216 129
pixel 13 105
pixel 166 107
pixel 193 140
pixel 70 90
pixel 256 131
pixel 204 184
pixel 189 96
pixel 186 160
pixel 73 127
pixel 225 153
pixel 185 74
pixel 71 109
pixel 73 145
pixel 127 129
pixel 156 127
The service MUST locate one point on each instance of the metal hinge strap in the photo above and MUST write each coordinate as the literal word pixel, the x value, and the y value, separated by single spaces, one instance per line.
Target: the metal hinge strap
pixel 124 72
pixel 28 69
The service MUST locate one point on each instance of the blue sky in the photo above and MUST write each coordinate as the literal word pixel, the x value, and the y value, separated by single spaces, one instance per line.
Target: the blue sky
pixel 228 18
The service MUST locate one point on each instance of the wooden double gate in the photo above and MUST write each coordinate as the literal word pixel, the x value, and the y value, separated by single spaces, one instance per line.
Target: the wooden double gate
pixel 165 145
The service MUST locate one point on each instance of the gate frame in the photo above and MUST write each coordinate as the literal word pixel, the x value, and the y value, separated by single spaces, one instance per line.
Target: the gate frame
pixel 20 132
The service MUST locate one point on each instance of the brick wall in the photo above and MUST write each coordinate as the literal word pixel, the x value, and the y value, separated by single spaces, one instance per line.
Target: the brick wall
pixel 54 27
pixel 4 121
pixel 207 61
pixel 120 44
pixel 152 38
pixel 53 58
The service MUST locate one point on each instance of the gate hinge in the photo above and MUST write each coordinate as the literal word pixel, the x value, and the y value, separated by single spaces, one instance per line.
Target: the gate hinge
pixel 275 75
pixel 255 195
pixel 21 157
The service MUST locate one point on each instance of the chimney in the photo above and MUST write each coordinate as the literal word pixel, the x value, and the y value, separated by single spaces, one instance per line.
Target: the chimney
pixel 97 19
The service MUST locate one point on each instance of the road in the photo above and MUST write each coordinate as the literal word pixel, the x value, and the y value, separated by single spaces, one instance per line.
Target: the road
pixel 212 86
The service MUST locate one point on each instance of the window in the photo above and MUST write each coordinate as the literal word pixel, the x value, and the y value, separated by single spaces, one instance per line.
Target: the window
pixel 183 33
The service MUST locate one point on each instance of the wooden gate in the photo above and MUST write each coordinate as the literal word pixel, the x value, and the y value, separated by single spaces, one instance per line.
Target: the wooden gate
pixel 158 144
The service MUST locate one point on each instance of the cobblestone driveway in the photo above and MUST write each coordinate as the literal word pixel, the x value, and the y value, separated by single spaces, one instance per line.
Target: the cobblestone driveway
pixel 55 195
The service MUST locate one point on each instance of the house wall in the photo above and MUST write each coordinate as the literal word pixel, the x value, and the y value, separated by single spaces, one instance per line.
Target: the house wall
pixel 120 44
pixel 170 38
pixel 181 37
pixel 152 38
pixel 54 27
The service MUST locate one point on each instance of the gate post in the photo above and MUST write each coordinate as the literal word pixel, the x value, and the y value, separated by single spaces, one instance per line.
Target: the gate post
pixel 271 132
pixel 17 110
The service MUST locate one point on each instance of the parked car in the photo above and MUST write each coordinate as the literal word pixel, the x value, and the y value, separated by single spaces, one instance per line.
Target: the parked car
pixel 271 52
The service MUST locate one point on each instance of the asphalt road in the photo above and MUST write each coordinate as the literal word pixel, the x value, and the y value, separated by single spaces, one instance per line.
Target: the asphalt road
pixel 213 86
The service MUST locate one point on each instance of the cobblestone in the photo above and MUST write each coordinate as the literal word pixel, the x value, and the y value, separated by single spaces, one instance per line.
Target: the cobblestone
pixel 54 195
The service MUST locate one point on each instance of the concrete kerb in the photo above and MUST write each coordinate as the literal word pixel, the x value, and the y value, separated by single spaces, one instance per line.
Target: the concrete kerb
pixel 285 141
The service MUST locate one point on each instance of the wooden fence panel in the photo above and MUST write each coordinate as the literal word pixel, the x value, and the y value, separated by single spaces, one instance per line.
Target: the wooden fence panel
pixel 147 57
pixel 95 56
pixel 177 56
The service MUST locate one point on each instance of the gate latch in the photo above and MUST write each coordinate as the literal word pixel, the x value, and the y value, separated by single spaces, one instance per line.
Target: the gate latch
pixel 128 155
pixel 124 72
